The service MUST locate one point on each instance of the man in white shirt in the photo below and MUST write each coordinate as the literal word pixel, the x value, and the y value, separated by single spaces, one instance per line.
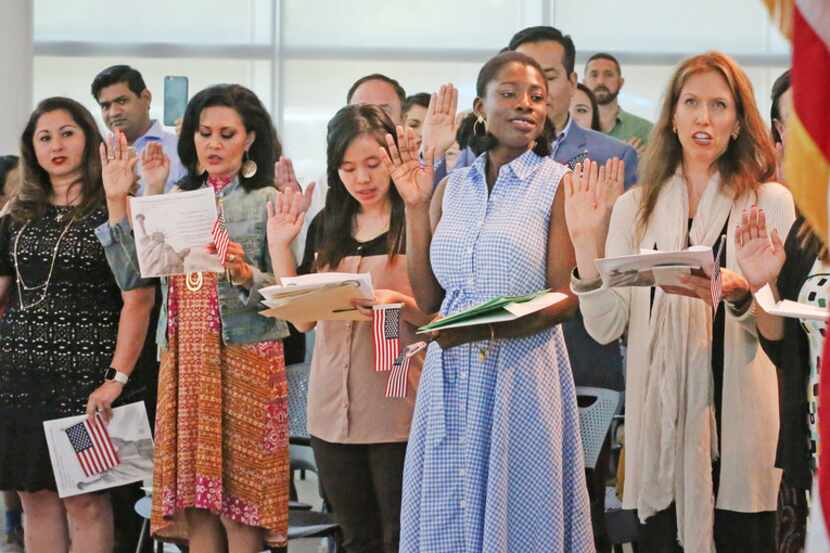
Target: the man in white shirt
pixel 125 104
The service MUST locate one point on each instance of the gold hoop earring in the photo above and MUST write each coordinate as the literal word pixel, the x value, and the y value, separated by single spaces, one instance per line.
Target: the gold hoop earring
pixel 249 167
pixel 479 121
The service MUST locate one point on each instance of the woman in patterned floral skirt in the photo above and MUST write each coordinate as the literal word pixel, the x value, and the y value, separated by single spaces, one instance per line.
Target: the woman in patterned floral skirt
pixel 221 463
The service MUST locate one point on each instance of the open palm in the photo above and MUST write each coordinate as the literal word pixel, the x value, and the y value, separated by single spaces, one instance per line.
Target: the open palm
pixel 285 218
pixel 760 254
pixel 412 180
pixel 440 125
pixel 155 168
pixel 117 166
pixel 586 209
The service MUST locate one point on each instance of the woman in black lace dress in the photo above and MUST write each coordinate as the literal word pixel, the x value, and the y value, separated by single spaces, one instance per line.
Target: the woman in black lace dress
pixel 66 323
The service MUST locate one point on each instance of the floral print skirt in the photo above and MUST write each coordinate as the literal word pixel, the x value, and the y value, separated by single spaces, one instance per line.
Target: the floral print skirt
pixel 222 423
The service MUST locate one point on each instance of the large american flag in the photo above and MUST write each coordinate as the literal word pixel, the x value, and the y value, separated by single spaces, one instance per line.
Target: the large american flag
pixel 386 323
pixel 93 446
pixel 219 232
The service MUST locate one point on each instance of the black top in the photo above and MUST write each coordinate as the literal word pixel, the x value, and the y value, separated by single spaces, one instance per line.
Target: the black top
pixel 791 356
pixel 376 246
pixel 53 354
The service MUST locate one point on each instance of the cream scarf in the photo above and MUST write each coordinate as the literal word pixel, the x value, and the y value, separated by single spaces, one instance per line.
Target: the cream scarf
pixel 679 435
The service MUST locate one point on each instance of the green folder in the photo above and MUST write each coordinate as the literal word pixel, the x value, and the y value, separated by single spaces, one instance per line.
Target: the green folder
pixel 493 310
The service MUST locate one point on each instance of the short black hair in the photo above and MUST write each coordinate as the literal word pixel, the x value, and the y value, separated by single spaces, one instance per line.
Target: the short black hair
pixel 420 99
pixel 781 85
pixel 604 56
pixel 7 164
pixel 545 33
pixel 116 74
pixel 377 77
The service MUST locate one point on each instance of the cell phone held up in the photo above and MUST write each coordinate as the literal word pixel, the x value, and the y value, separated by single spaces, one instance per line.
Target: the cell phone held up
pixel 175 98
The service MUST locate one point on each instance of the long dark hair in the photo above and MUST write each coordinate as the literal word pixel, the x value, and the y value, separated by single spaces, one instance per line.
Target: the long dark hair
pixel 482 140
pixel 32 197
pixel 335 232
pixel 594 106
pixel 264 150
pixel 781 85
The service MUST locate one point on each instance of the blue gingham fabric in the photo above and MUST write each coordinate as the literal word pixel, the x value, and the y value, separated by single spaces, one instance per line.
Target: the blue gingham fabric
pixel 494 461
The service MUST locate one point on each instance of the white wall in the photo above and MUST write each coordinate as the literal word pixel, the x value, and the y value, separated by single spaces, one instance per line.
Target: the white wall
pixel 300 56
pixel 15 71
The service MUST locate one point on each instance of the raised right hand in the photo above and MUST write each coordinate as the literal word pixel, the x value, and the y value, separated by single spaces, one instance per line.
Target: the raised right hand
pixel 285 218
pixel 155 168
pixel 440 126
pixel 587 203
pixel 116 166
pixel 285 178
pixel 412 180
pixel 760 254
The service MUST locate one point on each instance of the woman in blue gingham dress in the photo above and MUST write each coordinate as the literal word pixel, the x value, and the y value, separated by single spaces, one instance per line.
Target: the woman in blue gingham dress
pixel 495 461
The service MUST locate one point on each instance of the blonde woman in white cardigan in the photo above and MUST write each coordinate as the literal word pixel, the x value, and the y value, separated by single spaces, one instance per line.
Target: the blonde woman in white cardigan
pixel 701 396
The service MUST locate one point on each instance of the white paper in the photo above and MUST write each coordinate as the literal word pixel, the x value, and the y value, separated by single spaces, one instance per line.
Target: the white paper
pixel 294 287
pixel 654 268
pixel 788 308
pixel 130 433
pixel 173 231
pixel 509 312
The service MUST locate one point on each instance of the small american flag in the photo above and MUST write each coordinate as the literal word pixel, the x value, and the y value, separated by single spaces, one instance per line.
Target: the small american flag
pixel 396 385
pixel 220 237
pixel 715 285
pixel 93 446
pixel 386 323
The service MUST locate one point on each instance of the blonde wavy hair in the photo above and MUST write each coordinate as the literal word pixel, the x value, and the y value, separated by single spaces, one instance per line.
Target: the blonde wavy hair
pixel 749 159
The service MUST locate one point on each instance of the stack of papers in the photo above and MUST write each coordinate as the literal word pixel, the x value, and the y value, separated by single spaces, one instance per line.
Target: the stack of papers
pixel 317 297
pixel 497 310
pixel 655 268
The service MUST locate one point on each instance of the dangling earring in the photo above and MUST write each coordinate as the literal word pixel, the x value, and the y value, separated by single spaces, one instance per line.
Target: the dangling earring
pixel 249 167
pixel 735 135
pixel 479 121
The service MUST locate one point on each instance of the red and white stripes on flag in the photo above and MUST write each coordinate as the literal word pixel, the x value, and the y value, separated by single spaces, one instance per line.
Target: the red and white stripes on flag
pixel 93 446
pixel 386 335
pixel 220 236
pixel 715 284
pixel 398 378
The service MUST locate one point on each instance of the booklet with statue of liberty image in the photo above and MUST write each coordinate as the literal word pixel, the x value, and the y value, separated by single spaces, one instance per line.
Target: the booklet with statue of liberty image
pixel 173 231
pixel 497 310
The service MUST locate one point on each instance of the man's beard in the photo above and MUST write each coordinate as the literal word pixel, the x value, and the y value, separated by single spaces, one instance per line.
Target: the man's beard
pixel 604 96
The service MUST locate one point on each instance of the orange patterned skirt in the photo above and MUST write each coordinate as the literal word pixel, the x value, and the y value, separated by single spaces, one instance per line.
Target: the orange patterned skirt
pixel 222 423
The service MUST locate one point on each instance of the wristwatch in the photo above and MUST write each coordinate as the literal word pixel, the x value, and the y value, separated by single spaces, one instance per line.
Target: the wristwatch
pixel 111 374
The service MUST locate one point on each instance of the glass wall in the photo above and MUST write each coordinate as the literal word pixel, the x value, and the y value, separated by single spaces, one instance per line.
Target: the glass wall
pixel 301 57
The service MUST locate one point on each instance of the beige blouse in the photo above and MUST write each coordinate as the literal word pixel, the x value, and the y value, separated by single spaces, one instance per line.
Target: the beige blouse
pixel 347 400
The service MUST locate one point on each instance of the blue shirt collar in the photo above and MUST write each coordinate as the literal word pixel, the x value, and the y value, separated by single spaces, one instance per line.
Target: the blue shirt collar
pixel 523 166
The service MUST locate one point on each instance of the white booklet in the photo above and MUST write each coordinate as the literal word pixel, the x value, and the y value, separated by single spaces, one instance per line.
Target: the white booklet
pixel 172 233
pixel 89 455
pixel 788 308
pixel 655 268
pixel 317 297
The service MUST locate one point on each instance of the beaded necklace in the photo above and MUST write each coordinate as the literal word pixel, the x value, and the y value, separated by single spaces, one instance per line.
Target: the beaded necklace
pixel 21 284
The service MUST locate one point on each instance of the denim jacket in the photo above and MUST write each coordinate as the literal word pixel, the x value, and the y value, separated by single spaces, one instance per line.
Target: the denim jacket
pixel 245 218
